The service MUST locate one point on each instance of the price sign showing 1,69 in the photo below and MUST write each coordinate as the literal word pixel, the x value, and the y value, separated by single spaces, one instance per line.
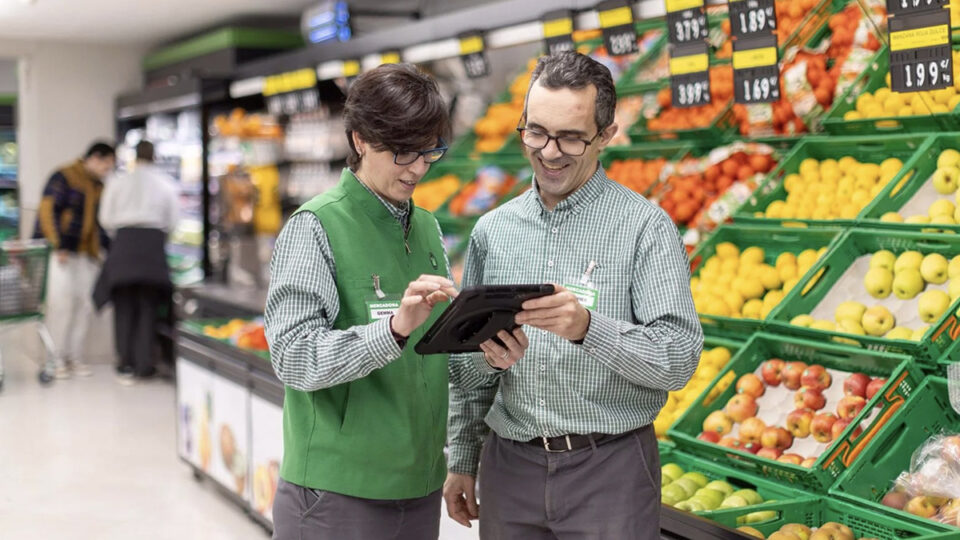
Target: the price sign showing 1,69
pixel 689 75
pixel 686 21
pixel 920 54
pixel 748 17
pixel 619 34
pixel 756 75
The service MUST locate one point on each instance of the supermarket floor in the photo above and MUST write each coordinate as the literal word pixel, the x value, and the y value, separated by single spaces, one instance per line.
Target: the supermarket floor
pixel 88 458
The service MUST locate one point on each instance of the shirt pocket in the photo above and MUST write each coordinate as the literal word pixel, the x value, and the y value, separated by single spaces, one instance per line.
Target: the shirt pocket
pixel 612 279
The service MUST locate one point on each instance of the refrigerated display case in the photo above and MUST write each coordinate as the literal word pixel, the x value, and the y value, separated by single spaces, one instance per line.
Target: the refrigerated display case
pixel 9 155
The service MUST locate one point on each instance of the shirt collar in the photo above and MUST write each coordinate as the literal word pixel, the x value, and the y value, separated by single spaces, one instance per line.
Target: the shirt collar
pixel 579 199
pixel 400 213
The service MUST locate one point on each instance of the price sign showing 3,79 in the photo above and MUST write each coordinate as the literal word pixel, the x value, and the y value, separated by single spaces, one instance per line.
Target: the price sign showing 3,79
pixel 920 55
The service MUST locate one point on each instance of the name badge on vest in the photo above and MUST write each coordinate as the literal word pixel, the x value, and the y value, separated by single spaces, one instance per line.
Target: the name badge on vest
pixel 586 293
pixel 381 306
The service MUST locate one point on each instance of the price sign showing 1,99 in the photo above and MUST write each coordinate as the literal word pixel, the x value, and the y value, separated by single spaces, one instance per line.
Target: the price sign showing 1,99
pixel 756 75
pixel 686 21
pixel 920 54
pixel 748 17
pixel 689 75
pixel 619 34
pixel 903 7
pixel 473 56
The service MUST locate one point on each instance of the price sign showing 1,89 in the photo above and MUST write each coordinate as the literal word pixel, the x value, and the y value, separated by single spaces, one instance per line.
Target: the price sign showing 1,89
pixel 749 17
pixel 686 21
pixel 920 54
pixel 473 56
pixel 756 75
pixel 619 34
pixel 689 75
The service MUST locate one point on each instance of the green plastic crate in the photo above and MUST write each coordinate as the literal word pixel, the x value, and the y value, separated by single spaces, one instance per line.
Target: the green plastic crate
pixel 871 79
pixel 903 377
pixel 925 414
pixel 814 512
pixel 774 241
pixel 899 193
pixel 873 149
pixel 814 287
pixel 722 129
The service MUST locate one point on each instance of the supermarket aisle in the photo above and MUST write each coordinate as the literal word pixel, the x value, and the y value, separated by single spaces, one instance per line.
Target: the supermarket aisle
pixel 87 458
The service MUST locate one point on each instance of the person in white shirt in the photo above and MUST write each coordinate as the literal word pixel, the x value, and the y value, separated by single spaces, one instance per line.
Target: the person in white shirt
pixel 138 210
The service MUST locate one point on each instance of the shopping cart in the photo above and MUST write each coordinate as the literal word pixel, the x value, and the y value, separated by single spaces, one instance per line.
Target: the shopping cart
pixel 23 280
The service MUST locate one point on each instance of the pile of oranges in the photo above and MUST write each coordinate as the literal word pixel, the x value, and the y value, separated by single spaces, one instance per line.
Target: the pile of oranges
pixel 790 15
pixel 637 174
pixel 686 197
pixel 500 120
pixel 672 119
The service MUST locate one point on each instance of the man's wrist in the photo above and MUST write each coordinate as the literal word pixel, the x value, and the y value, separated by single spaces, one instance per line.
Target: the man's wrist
pixel 586 329
pixel 397 336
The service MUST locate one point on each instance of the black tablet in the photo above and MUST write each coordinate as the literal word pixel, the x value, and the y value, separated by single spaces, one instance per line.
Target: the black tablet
pixel 477 315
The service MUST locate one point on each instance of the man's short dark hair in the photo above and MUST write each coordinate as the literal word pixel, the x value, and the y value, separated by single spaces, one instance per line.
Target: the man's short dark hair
pixel 100 149
pixel 395 107
pixel 577 71
pixel 145 151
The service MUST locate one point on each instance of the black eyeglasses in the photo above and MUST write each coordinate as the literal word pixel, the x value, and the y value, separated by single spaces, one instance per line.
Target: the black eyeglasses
pixel 433 155
pixel 568 145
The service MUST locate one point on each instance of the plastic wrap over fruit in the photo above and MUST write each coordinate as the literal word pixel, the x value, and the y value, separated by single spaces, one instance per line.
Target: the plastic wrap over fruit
pixel 935 473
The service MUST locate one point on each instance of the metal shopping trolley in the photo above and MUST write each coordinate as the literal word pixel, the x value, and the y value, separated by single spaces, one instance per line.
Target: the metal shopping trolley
pixel 23 283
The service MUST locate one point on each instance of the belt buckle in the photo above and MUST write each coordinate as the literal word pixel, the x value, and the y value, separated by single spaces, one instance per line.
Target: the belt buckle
pixel 546 445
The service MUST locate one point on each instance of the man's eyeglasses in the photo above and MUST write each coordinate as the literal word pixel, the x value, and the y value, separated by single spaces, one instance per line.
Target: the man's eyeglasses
pixel 433 155
pixel 568 145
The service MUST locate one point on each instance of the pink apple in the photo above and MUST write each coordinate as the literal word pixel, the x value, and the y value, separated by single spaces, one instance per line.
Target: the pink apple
pixel 792 373
pixel 776 437
pixel 841 425
pixel 740 407
pixel 816 377
pixel 809 398
pixel 798 423
pixel 771 371
pixel 709 436
pixel 822 427
pixel 856 385
pixel 770 453
pixel 850 406
pixel 751 430
pixel 875 386
pixel 750 384
pixel 794 459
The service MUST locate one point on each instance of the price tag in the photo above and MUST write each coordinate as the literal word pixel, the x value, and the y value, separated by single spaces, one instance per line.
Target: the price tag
pixel 473 56
pixel 756 75
pixel 558 31
pixel 686 21
pixel 619 34
pixel 351 68
pixel 294 102
pixel 289 82
pixel 749 17
pixel 292 92
pixel 690 75
pixel 390 57
pixel 903 7
pixel 920 54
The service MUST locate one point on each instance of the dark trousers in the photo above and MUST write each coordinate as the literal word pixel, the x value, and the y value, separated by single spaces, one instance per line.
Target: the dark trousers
pixel 135 312
pixel 609 491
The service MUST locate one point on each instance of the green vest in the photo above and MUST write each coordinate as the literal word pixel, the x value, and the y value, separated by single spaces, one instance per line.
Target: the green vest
pixel 382 436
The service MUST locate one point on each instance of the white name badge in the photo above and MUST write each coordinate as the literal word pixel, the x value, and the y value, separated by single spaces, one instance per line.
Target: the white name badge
pixel 382 309
pixel 587 296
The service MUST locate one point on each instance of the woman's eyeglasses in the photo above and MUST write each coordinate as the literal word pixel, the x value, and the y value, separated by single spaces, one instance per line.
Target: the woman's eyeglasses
pixel 433 155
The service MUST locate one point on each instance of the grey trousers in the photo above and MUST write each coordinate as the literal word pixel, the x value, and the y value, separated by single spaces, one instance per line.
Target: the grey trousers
pixel 300 513
pixel 605 492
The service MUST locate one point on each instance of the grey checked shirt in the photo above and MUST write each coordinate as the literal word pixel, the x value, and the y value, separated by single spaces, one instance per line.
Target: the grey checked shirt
pixel 644 337
pixel 302 304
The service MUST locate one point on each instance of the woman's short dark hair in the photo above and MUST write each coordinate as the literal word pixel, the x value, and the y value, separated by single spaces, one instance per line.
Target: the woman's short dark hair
pixel 100 149
pixel 145 151
pixel 574 70
pixel 395 107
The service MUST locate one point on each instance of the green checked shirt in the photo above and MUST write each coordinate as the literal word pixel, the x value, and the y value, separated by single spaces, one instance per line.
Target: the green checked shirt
pixel 644 337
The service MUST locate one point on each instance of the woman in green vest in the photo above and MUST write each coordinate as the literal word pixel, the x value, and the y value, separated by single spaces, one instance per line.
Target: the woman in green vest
pixel 356 274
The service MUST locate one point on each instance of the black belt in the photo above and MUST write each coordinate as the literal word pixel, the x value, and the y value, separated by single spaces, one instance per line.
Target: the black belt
pixel 567 443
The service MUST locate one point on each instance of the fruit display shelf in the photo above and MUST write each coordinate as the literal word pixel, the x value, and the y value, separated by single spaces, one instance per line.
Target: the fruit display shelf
pixel 714 123
pixel 911 203
pixel 839 278
pixel 245 335
pixel 833 449
pixel 769 244
pixel 815 513
pixel 926 413
pixel 639 166
pixel 829 181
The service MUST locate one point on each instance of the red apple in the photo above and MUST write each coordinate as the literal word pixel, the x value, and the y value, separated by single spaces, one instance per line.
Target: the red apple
pixel 709 436
pixel 769 453
pixel 816 377
pixel 751 430
pixel 875 386
pixel 822 427
pixel 750 384
pixel 792 374
pixel 791 458
pixel 809 398
pixel 719 422
pixel 895 499
pixel 730 442
pixel 776 437
pixel 856 385
pixel 841 425
pixel 753 448
pixel 809 462
pixel 850 406
pixel 771 371
pixel 740 407
pixel 798 423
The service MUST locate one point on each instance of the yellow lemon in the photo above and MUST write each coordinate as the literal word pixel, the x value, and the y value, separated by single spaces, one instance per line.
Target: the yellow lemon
pixel 905 111
pixel 788 271
pixel 893 104
pixel 891 166
pixel 750 290
pixel 786 259
pixel 863 101
pixel 809 164
pixel 881 94
pixel 791 182
pixel 728 250
pixel 752 254
pixel 847 164
pixel 807 258
pixel 873 110
pixel 752 309
pixel 944 95
pixel 775 209
pixel 853 115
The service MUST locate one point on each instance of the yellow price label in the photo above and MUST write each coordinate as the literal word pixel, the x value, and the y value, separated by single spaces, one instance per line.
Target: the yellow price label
pixel 351 68
pixel 557 27
pixel 390 58
pixel 695 63
pixel 470 45
pixel 917 38
pixel 289 82
pixel 616 17
pixel 679 5
pixel 753 58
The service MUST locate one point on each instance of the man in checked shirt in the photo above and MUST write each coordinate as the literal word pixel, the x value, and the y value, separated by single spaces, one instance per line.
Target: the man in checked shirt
pixel 570 452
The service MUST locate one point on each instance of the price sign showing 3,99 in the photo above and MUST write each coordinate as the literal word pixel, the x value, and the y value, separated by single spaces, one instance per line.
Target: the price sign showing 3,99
pixel 686 21
pixel 920 54
pixel 748 17
pixel 689 75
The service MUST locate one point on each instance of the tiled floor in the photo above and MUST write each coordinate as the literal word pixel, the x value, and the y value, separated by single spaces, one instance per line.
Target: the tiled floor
pixel 87 458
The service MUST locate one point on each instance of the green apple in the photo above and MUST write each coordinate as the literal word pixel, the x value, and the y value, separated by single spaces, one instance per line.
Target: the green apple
pixel 734 501
pixel 878 282
pixel 686 506
pixel 883 259
pixel 945 180
pixel 802 320
pixel 709 498
pixel 826 326
pixel 851 326
pixel 671 471
pixel 919 333
pixel 900 332
pixel 877 321
pixel 722 487
pixel 942 207
pixel 760 517
pixel 953 269
pixel 751 496
pixel 934 268
pixel 698 478
pixel 892 217
pixel 689 486
pixel 672 494
pixel 750 531
pixel 949 158
pixel 850 310
pixel 932 305
pixel 953 288
pixel 918 219
pixel 908 259
pixel 908 283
